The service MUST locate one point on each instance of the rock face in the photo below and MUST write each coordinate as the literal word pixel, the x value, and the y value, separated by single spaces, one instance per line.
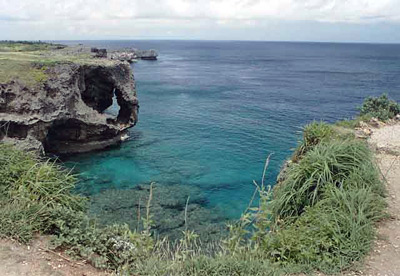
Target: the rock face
pixel 65 114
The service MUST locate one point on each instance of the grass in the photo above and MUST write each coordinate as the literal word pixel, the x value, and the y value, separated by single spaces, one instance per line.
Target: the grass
pixel 30 189
pixel 28 46
pixel 353 123
pixel 313 134
pixel 327 164
pixel 325 210
pixel 321 217
pixel 28 62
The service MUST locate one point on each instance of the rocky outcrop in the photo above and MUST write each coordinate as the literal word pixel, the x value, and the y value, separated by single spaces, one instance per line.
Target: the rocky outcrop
pixel 99 53
pixel 65 114
pixel 131 55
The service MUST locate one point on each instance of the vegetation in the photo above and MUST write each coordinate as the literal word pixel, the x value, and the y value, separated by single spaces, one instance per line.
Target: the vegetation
pixel 27 46
pixel 313 134
pixel 324 211
pixel 320 217
pixel 28 62
pixel 380 107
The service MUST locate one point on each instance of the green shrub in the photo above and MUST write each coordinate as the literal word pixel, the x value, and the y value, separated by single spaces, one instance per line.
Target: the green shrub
pixel 112 247
pixel 380 107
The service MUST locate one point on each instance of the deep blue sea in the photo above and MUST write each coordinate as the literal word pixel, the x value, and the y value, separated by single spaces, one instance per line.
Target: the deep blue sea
pixel 211 111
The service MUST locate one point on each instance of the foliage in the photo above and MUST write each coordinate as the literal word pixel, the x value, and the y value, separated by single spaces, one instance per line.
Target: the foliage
pixel 313 134
pixel 380 107
pixel 36 197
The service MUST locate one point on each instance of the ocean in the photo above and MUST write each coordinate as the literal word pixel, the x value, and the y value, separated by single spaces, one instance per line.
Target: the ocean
pixel 211 112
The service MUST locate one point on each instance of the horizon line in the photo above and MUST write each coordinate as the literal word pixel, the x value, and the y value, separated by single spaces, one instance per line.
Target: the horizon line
pixel 207 40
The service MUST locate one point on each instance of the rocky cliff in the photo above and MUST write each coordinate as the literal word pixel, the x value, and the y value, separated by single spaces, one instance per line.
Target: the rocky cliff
pixel 65 113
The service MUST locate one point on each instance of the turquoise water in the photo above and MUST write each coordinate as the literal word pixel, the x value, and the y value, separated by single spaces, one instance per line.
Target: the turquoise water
pixel 210 112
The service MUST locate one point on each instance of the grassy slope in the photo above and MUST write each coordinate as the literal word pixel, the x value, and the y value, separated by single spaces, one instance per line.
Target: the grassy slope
pixel 321 217
pixel 29 61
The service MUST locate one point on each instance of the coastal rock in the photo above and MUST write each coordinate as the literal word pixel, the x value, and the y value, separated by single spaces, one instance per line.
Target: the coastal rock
pixel 99 53
pixel 130 55
pixel 375 122
pixel 65 114
pixel 146 54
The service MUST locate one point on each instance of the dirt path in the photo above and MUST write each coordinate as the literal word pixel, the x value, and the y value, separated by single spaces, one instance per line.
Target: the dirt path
pixel 385 258
pixel 22 260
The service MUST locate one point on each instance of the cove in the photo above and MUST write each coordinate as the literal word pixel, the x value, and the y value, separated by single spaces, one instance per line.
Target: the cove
pixel 210 113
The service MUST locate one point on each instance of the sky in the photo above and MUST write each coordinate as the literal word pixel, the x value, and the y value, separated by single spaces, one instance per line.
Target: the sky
pixel 271 20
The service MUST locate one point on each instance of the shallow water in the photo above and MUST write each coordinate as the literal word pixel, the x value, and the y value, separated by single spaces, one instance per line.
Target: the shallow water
pixel 210 112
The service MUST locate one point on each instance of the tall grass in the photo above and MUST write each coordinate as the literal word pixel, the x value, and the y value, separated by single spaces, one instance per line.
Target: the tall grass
pixel 313 134
pixel 328 163
pixel 30 189
pixel 322 216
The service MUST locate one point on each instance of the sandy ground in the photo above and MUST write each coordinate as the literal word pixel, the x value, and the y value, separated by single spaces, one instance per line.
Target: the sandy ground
pixel 34 260
pixel 384 260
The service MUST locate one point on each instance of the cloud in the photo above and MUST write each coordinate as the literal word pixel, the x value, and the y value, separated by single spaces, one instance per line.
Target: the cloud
pixel 79 18
pixel 319 10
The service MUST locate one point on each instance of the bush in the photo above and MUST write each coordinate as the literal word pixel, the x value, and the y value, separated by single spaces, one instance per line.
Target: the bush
pixel 380 107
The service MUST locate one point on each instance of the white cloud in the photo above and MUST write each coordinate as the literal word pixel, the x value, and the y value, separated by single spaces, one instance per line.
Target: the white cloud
pixel 133 17
pixel 318 10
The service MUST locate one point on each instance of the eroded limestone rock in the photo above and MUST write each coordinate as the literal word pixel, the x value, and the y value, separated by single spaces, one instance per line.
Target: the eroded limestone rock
pixel 65 114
